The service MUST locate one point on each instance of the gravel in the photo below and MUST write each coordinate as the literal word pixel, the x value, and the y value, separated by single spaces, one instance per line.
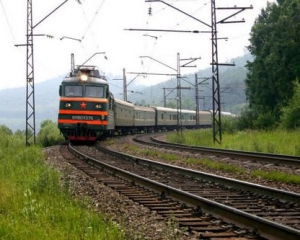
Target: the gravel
pixel 135 220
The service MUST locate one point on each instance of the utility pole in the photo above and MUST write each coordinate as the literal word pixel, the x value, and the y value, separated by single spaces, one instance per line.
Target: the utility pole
pixel 197 100
pixel 178 102
pixel 178 87
pixel 190 60
pixel 217 129
pixel 165 95
pixel 165 98
pixel 197 96
pixel 124 86
pixel 72 63
pixel 217 133
pixel 30 94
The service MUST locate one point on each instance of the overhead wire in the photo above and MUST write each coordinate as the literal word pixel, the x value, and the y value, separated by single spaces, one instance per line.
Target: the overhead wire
pixel 152 13
pixel 89 29
pixel 186 17
pixel 92 21
pixel 8 23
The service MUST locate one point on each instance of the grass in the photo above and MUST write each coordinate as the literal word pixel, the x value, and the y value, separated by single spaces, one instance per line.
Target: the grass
pixel 277 142
pixel 214 165
pixel 35 205
pixel 149 152
pixel 277 176
pixel 173 157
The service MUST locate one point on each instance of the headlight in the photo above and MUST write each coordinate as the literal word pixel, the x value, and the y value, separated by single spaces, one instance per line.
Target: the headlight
pixel 98 106
pixel 102 117
pixel 83 77
pixel 68 105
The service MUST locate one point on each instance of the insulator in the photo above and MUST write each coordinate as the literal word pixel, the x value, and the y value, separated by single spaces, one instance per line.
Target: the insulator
pixel 150 11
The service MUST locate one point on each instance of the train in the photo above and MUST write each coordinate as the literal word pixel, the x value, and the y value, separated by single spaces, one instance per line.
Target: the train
pixel 88 111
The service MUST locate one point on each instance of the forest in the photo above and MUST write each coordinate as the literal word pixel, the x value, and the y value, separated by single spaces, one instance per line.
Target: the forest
pixel 272 82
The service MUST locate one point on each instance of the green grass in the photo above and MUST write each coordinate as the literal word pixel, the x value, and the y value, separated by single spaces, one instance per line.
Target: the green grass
pixel 35 205
pixel 150 152
pixel 214 165
pixel 170 157
pixel 277 142
pixel 277 176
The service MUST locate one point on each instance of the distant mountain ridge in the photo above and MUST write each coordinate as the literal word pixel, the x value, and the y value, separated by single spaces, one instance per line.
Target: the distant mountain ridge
pixel 13 110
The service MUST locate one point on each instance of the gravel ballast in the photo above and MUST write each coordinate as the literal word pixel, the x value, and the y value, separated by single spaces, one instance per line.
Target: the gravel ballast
pixel 137 221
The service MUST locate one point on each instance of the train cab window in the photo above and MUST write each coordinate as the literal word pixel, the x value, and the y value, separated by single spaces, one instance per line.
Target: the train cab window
pixel 94 91
pixel 73 91
pixel 111 100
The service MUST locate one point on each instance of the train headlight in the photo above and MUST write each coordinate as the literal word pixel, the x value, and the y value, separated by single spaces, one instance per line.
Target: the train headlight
pixel 102 117
pixel 98 106
pixel 68 105
pixel 83 77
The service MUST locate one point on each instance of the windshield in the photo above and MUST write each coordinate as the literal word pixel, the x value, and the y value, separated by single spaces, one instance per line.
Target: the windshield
pixel 94 91
pixel 73 91
pixel 90 91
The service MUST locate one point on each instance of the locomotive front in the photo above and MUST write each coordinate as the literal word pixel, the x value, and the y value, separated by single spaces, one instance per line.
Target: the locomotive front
pixel 83 105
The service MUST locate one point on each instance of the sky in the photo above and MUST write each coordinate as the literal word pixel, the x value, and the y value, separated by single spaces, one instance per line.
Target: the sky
pixel 101 26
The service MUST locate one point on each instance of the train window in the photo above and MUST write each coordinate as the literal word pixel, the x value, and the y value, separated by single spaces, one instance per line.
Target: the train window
pixel 73 91
pixel 94 91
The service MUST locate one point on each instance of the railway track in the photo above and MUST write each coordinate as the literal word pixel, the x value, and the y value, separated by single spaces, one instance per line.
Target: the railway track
pixel 208 204
pixel 151 139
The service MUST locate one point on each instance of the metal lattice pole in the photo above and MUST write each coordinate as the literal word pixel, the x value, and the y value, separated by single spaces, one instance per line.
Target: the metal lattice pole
pixel 30 94
pixel 30 100
pixel 179 120
pixel 217 133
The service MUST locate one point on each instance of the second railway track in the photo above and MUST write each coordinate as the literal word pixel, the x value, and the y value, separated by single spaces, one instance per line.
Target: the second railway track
pixel 272 215
pixel 278 159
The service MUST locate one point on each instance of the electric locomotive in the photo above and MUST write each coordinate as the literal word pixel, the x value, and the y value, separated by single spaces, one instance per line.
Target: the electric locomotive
pixel 84 104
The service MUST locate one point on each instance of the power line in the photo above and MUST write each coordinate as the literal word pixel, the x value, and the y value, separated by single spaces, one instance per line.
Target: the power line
pixel 8 23
pixel 92 22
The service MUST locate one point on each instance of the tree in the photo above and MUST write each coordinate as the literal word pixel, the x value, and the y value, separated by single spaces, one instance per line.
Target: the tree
pixel 290 118
pixel 49 134
pixel 5 130
pixel 275 44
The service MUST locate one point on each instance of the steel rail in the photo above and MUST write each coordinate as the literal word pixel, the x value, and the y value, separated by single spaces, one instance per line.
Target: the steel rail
pixel 266 157
pixel 264 190
pixel 262 226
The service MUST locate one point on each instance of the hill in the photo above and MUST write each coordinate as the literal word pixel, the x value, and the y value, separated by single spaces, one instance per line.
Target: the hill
pixel 13 110
pixel 232 89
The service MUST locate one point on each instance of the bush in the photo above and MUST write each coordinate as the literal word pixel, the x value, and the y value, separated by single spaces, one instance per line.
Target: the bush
pixel 5 130
pixel 251 119
pixel 246 119
pixel 229 124
pixel 49 134
pixel 265 121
